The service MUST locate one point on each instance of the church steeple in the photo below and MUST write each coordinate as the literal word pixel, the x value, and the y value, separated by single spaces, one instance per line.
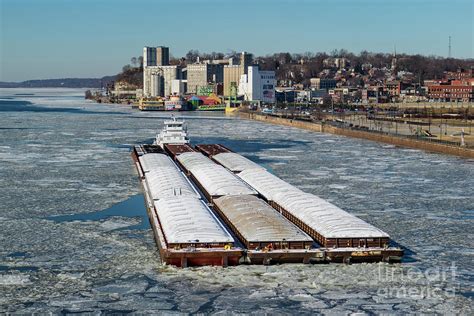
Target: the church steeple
pixel 394 62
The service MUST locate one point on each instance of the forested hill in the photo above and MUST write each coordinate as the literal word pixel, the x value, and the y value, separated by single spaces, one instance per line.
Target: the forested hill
pixel 61 83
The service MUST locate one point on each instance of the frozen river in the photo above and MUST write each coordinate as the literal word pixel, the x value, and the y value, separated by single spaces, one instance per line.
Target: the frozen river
pixel 74 235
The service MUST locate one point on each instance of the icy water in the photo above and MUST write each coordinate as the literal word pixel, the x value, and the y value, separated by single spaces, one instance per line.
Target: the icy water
pixel 73 237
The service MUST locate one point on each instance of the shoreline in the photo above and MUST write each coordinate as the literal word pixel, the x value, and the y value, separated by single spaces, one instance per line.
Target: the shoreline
pixel 373 136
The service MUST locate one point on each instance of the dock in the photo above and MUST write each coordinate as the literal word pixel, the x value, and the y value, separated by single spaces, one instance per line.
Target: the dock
pixel 211 206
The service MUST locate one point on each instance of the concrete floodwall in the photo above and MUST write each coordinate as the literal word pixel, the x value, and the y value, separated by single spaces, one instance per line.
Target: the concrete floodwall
pixel 384 138
pixel 282 121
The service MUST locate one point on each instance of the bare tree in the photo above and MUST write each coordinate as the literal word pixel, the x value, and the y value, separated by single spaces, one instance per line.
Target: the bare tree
pixel 192 56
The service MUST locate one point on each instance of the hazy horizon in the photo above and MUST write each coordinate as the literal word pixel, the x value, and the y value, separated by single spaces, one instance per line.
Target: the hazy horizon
pixel 55 39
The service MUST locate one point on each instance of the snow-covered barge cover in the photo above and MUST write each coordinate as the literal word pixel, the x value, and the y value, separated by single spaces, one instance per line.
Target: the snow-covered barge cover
pixel 187 220
pixel 215 180
pixel 151 161
pixel 190 160
pixel 325 222
pixel 330 220
pixel 257 224
pixel 267 184
pixel 183 217
pixel 168 182
pixel 235 162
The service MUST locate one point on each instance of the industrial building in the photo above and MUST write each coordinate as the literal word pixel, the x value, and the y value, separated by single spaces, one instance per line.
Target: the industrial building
pixel 158 74
pixel 257 85
pixel 232 74
pixel 200 75
pixel 156 56
pixel 178 87
pixel 157 80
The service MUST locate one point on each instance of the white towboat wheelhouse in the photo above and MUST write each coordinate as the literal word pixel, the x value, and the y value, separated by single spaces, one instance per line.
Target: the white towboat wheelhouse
pixel 173 132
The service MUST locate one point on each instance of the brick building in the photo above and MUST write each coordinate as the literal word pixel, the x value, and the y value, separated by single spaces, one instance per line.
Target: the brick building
pixel 460 74
pixel 454 90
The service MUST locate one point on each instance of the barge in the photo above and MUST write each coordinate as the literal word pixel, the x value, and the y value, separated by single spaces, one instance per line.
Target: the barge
pixel 186 231
pixel 208 205
pixel 340 234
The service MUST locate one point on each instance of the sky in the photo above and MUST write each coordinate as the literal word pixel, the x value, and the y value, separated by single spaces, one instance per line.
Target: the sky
pixel 44 39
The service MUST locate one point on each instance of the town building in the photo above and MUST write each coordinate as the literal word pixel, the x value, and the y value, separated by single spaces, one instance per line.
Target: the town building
pixel 322 83
pixel 456 86
pixel 338 62
pixel 257 85
pixel 310 96
pixel 285 95
pixel 452 91
pixel 395 87
pixel 412 93
pixel 460 74
pixel 374 95
pixel 202 74
pixel 124 90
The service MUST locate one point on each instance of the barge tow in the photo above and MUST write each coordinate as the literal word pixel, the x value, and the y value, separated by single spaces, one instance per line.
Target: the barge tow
pixel 208 205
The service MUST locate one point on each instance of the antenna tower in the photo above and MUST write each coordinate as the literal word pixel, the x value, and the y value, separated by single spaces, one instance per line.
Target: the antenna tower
pixel 449 53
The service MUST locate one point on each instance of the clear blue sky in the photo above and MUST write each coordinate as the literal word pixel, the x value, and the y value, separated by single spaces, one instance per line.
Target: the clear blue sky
pixel 90 38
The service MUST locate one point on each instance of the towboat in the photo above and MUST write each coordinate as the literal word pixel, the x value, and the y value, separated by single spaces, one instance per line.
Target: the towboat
pixel 173 132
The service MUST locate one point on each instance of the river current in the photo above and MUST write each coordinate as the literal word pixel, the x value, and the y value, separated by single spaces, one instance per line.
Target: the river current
pixel 74 237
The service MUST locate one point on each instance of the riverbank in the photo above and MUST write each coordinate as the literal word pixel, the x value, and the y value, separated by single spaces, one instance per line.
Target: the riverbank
pixel 321 127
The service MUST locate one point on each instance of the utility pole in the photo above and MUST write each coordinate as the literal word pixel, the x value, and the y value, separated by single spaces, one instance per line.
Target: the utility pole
pixel 470 121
